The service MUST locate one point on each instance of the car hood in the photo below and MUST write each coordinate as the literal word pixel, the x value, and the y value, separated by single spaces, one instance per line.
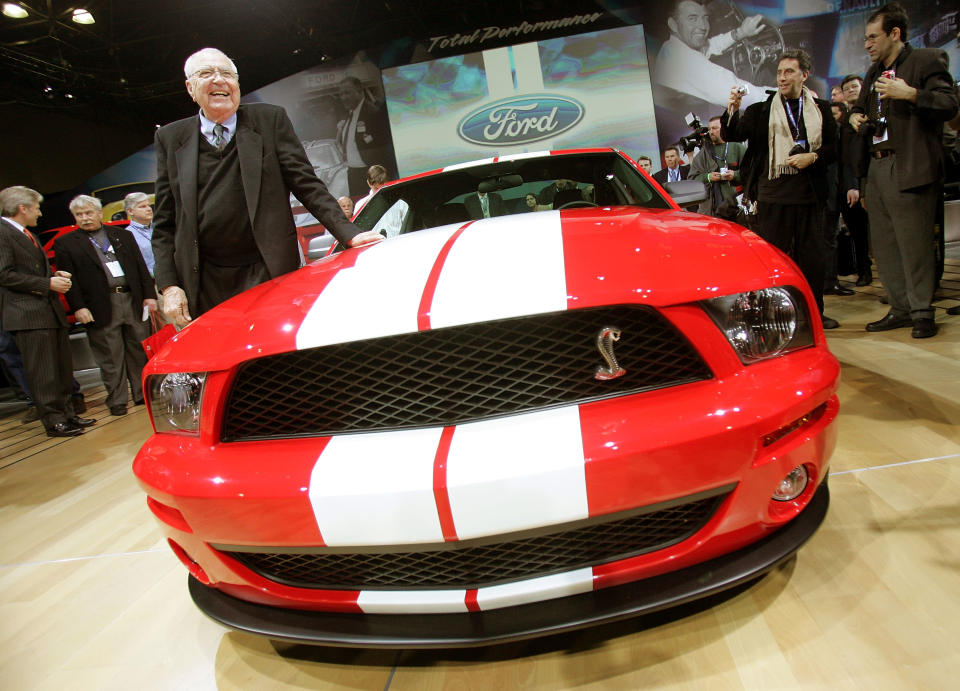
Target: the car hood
pixel 485 270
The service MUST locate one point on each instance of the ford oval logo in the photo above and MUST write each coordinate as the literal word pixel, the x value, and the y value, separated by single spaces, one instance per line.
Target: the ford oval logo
pixel 520 120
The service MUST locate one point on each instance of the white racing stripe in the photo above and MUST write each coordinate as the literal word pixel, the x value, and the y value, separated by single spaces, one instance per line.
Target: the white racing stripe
pixel 378 296
pixel 499 269
pixel 517 473
pixel 536 589
pixel 377 489
pixel 412 601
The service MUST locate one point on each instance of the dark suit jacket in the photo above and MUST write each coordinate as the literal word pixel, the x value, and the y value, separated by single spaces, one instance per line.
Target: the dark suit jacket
pixel 26 301
pixel 661 175
pixel 915 128
pixel 76 254
pixel 752 126
pixel 494 200
pixel 272 165
pixel 372 135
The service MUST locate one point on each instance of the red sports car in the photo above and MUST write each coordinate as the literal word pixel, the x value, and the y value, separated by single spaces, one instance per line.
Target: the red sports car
pixel 511 418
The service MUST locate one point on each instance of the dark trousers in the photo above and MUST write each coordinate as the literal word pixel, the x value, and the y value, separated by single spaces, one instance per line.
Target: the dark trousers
pixel 902 235
pixel 796 230
pixel 13 362
pixel 857 223
pixel 831 228
pixel 48 364
pixel 220 283
pixel 118 351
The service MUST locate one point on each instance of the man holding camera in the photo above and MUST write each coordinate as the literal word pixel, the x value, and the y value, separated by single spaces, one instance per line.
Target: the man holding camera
pixel 908 95
pixel 718 166
pixel 791 140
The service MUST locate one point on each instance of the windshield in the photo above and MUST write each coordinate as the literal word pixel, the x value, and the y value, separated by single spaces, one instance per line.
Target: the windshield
pixel 524 185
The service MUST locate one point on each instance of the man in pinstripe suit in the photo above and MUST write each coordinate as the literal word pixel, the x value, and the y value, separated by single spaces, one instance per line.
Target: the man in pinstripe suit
pixel 31 312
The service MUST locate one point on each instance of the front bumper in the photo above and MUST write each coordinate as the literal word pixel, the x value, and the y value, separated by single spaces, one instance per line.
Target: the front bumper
pixel 524 621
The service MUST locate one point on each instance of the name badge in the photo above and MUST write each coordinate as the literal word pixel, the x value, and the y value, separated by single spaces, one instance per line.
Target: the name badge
pixel 115 269
pixel 885 137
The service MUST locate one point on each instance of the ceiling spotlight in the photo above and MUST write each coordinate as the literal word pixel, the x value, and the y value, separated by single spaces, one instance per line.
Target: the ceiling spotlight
pixel 82 16
pixel 69 96
pixel 47 89
pixel 13 10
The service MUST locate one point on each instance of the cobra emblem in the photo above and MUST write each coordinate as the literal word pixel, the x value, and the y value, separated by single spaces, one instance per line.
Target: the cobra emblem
pixel 606 337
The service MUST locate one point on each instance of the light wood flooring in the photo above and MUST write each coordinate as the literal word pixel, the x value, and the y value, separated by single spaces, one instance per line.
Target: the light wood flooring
pixel 91 597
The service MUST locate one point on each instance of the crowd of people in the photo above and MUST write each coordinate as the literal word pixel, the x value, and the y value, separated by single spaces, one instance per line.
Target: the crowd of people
pixel 795 164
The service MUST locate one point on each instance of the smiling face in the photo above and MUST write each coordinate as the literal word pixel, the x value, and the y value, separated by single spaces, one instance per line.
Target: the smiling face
pixel 790 78
pixel 691 23
pixel 851 91
pixel 214 85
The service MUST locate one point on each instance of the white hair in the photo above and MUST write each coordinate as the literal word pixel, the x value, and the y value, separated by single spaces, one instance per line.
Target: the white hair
pixel 82 200
pixel 191 65
pixel 132 199
pixel 12 197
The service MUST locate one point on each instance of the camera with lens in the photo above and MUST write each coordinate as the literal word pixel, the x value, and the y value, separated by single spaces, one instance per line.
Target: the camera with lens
pixel 700 136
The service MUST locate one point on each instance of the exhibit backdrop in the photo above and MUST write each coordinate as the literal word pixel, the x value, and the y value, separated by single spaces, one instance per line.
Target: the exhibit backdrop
pixel 571 82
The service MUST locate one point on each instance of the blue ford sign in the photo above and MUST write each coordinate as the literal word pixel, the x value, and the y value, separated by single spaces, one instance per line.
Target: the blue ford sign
pixel 520 120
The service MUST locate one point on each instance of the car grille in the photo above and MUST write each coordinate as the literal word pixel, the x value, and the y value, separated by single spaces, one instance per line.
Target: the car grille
pixel 454 375
pixel 471 565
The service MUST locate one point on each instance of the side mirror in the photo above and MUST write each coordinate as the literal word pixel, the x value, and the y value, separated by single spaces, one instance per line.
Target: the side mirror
pixel 686 192
pixel 319 245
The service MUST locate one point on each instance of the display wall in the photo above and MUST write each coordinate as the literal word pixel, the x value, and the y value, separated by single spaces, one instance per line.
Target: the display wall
pixel 486 91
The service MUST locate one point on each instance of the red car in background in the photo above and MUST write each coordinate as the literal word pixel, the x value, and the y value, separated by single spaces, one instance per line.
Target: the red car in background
pixel 493 428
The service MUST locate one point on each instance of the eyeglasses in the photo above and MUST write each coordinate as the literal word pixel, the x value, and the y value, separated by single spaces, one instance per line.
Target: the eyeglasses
pixel 206 73
pixel 872 38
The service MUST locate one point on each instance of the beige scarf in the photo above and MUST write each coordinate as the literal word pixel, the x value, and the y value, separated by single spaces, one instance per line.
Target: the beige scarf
pixel 780 138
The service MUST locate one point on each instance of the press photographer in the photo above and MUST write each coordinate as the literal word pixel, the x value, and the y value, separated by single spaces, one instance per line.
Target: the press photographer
pixel 717 165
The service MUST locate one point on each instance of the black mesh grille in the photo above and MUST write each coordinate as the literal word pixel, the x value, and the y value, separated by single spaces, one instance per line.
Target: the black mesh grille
pixel 454 375
pixel 465 566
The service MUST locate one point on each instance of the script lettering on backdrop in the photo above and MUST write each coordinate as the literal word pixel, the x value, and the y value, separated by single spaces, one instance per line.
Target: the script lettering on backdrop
pixel 490 33
pixel 520 120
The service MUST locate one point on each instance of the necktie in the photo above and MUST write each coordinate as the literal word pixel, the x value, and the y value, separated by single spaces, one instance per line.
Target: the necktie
pixel 484 205
pixel 32 239
pixel 218 132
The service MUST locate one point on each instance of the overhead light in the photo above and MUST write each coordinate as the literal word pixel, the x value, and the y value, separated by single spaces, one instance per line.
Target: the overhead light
pixel 13 10
pixel 82 16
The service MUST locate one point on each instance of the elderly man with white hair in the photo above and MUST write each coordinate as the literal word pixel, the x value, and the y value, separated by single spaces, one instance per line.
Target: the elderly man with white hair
pixel 224 177
pixel 111 290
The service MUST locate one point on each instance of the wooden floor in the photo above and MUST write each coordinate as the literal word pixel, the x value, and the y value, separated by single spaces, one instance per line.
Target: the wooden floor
pixel 91 597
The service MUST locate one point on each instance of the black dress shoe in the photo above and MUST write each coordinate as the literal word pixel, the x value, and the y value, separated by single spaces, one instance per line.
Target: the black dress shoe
pixel 63 429
pixel 837 290
pixel 924 328
pixel 955 310
pixel 865 280
pixel 891 321
pixel 829 323
pixel 137 401
pixel 82 421
pixel 32 415
pixel 118 410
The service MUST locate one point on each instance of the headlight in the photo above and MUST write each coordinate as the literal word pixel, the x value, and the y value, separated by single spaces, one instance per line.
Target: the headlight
pixel 175 401
pixel 763 323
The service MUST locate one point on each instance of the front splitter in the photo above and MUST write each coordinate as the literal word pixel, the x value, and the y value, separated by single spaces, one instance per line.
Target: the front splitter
pixel 523 621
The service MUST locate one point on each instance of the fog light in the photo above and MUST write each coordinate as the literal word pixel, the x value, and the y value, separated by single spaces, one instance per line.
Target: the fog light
pixel 792 485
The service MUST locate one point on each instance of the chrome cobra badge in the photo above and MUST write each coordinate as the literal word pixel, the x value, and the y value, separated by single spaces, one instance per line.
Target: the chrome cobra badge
pixel 606 337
